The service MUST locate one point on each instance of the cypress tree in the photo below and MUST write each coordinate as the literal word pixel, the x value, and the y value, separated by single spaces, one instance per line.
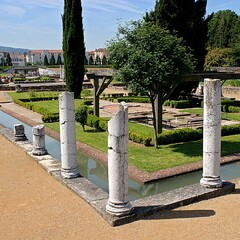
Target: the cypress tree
pixel 73 46
pixel 46 63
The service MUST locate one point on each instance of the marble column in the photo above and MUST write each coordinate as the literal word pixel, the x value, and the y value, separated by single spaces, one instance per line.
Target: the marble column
pixel 67 135
pixel 118 203
pixel 212 134
pixel 19 132
pixel 39 140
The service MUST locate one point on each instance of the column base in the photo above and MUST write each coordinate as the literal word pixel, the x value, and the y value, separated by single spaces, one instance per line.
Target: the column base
pixel 70 173
pixel 211 182
pixel 117 209
pixel 20 137
pixel 39 152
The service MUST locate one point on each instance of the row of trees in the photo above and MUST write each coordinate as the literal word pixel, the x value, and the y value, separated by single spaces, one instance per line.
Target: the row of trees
pixel 52 61
pixel 96 61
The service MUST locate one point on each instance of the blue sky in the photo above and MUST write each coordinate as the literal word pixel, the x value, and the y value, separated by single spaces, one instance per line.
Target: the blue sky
pixel 37 24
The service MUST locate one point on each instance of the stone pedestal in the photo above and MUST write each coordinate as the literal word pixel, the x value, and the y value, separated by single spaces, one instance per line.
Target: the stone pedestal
pixel 68 135
pixel 39 140
pixel 19 132
pixel 212 133
pixel 118 203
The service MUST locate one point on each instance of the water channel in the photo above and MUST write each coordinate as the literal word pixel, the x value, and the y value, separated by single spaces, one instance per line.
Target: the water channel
pixel 97 173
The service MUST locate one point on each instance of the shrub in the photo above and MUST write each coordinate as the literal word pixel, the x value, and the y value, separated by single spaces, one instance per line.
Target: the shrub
pixel 50 118
pixel 179 135
pixel 230 129
pixel 139 138
pixel 233 109
pixel 81 116
pixel 182 103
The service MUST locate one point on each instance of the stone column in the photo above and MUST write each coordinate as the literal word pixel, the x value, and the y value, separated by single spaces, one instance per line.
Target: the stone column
pixel 212 134
pixel 118 203
pixel 39 140
pixel 19 132
pixel 68 135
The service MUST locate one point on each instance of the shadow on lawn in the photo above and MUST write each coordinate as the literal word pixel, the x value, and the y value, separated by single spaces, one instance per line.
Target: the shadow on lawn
pixel 194 149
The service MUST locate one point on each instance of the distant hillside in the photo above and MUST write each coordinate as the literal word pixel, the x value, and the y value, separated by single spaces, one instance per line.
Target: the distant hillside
pixel 11 50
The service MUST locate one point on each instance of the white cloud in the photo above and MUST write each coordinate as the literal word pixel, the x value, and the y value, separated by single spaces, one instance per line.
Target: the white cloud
pixel 113 5
pixel 13 11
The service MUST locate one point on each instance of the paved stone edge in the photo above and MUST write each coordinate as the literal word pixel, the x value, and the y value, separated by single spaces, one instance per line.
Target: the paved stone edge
pixel 97 198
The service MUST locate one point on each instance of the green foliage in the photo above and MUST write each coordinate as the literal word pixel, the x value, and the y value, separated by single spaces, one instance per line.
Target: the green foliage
pixel 130 99
pixel 223 29
pixel 53 117
pixel 187 20
pixel 8 60
pixel 139 138
pixel 97 123
pixel 46 63
pixel 149 59
pixel 233 83
pixel 230 130
pixel 52 60
pixel 81 115
pixel 179 135
pixel 233 109
pixel 73 46
pixel 218 57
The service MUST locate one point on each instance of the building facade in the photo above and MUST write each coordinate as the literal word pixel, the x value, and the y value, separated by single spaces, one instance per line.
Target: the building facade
pixel 38 56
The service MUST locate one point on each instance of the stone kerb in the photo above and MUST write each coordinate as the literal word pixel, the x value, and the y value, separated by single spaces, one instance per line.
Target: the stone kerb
pixel 212 133
pixel 68 135
pixel 118 203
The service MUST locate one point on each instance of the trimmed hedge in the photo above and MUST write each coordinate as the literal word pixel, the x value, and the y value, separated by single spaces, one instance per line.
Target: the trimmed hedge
pixel 100 124
pixel 179 135
pixel 50 118
pixel 131 99
pixel 233 109
pixel 139 138
pixel 187 103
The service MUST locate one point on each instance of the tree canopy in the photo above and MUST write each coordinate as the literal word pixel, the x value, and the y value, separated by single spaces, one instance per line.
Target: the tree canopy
pixel 187 20
pixel 224 29
pixel 149 59
pixel 73 46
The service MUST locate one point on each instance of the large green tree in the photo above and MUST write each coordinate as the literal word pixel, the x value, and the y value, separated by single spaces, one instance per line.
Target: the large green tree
pixel 149 59
pixel 73 46
pixel 187 19
pixel 224 30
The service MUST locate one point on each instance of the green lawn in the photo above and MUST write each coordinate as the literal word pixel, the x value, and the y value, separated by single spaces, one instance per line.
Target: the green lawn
pixel 26 95
pixel 151 159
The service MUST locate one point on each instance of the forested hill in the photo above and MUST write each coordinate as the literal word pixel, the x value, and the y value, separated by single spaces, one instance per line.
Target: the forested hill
pixel 11 50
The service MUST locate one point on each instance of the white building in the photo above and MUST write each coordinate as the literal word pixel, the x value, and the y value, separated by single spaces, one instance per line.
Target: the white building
pixel 37 56
pixel 97 55
pixel 18 59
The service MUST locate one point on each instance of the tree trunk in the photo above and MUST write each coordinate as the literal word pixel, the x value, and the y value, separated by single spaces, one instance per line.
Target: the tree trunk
pixel 154 122
pixel 158 112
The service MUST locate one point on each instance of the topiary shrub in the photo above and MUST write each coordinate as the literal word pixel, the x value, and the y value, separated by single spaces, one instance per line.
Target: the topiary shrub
pixel 81 116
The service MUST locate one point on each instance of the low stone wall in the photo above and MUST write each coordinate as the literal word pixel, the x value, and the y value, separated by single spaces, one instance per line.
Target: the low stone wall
pixel 230 90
